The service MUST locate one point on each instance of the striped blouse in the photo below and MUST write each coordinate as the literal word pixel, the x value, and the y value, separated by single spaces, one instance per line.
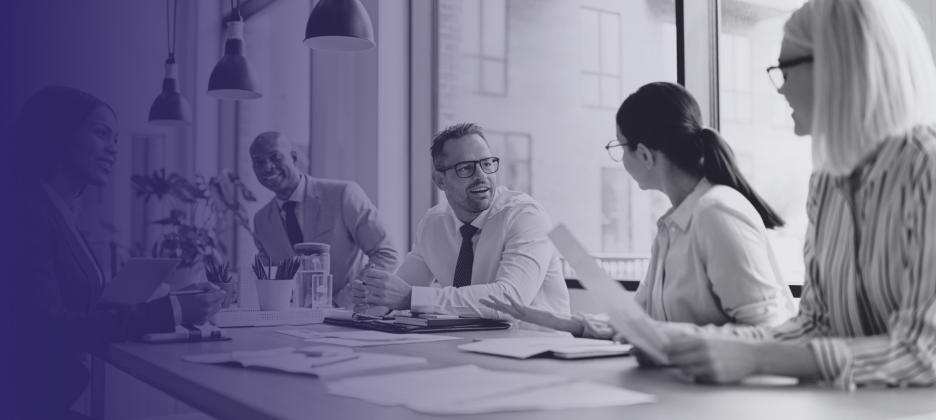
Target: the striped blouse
pixel 868 309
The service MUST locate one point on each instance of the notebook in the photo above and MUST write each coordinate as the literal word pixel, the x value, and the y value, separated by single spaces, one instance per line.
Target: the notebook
pixel 559 347
pixel 433 320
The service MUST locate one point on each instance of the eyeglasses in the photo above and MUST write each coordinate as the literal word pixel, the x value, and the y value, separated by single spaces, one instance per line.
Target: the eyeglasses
pixel 776 73
pixel 466 169
pixel 615 149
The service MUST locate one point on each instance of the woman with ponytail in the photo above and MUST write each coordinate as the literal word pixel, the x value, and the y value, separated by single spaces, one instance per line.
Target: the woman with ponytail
pixel 711 262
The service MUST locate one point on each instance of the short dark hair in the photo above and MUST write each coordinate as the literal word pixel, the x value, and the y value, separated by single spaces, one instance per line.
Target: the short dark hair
pixel 450 133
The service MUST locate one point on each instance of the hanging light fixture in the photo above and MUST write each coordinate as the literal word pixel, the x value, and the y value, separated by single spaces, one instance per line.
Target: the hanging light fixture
pixel 231 77
pixel 170 107
pixel 339 25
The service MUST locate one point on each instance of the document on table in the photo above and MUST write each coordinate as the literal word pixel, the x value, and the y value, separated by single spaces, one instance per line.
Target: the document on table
pixel 526 347
pixel 363 338
pixel 288 359
pixel 625 315
pixel 469 389
pixel 923 416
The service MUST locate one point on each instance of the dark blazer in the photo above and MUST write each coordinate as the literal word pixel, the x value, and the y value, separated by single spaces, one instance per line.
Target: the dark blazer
pixel 58 316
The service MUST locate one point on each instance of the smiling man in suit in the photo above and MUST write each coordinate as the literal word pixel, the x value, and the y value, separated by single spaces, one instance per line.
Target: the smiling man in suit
pixel 308 209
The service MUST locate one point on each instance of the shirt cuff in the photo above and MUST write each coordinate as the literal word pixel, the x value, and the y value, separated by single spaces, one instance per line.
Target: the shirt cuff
pixel 425 299
pixel 176 309
pixel 835 362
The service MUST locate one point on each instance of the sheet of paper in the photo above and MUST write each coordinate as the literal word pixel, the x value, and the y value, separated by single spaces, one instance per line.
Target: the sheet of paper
pixel 924 416
pixel 469 389
pixel 525 347
pixel 574 395
pixel 367 362
pixel 287 359
pixel 283 359
pixel 625 315
pixel 363 338
pixel 443 385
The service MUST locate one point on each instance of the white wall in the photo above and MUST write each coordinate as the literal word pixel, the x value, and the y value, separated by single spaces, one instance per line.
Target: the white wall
pixel 360 116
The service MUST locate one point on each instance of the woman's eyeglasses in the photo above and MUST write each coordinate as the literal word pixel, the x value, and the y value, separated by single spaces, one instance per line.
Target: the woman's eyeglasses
pixel 776 73
pixel 615 149
pixel 466 169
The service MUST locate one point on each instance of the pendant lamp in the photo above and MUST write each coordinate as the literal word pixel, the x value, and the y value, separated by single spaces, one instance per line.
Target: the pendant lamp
pixel 339 25
pixel 231 77
pixel 170 107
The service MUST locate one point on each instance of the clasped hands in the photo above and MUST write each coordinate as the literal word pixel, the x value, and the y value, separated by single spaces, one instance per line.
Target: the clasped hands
pixel 380 288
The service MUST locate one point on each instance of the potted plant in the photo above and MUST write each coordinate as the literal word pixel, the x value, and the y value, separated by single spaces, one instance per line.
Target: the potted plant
pixel 199 211
pixel 220 275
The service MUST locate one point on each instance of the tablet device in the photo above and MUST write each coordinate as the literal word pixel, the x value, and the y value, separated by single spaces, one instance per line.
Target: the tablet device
pixel 138 279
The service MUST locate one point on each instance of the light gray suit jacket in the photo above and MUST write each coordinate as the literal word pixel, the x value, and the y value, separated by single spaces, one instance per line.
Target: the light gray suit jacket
pixel 337 213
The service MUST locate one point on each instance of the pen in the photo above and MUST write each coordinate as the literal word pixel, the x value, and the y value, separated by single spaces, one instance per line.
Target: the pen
pixel 186 292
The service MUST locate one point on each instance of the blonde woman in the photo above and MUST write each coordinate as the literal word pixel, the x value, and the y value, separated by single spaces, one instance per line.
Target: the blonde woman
pixel 860 79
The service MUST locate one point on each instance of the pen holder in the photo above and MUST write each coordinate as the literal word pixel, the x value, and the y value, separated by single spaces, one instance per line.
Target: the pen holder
pixel 275 295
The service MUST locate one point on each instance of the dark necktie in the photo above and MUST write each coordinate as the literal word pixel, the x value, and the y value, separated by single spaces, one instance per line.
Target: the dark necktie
pixel 292 223
pixel 465 257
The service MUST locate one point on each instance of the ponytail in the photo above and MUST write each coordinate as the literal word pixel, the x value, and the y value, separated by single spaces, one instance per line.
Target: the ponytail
pixel 718 167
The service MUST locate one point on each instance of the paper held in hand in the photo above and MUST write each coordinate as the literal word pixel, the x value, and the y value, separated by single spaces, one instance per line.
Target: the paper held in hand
pixel 626 316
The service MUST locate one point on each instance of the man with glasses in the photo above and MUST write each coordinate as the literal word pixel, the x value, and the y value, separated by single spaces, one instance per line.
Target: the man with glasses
pixel 481 241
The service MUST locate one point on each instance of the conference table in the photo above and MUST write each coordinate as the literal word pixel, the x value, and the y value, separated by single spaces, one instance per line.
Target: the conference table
pixel 227 392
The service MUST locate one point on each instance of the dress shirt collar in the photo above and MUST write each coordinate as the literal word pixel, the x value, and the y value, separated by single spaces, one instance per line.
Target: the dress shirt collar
pixel 298 195
pixel 681 215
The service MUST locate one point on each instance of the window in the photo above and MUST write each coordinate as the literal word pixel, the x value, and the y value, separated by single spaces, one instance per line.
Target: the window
pixel 734 60
pixel 515 152
pixel 541 126
pixel 483 40
pixel 600 44
pixel 755 120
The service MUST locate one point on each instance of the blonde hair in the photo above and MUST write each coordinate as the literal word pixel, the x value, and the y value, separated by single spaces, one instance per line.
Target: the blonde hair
pixel 874 76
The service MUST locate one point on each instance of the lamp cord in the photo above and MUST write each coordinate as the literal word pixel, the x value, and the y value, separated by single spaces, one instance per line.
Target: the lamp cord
pixel 171 19
pixel 235 10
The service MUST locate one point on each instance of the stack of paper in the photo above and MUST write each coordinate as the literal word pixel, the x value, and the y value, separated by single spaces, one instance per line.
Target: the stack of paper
pixel 363 338
pixel 563 347
pixel 472 390
pixel 311 362
pixel 254 317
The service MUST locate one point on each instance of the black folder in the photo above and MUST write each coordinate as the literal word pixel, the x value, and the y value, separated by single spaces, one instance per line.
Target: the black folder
pixel 470 324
